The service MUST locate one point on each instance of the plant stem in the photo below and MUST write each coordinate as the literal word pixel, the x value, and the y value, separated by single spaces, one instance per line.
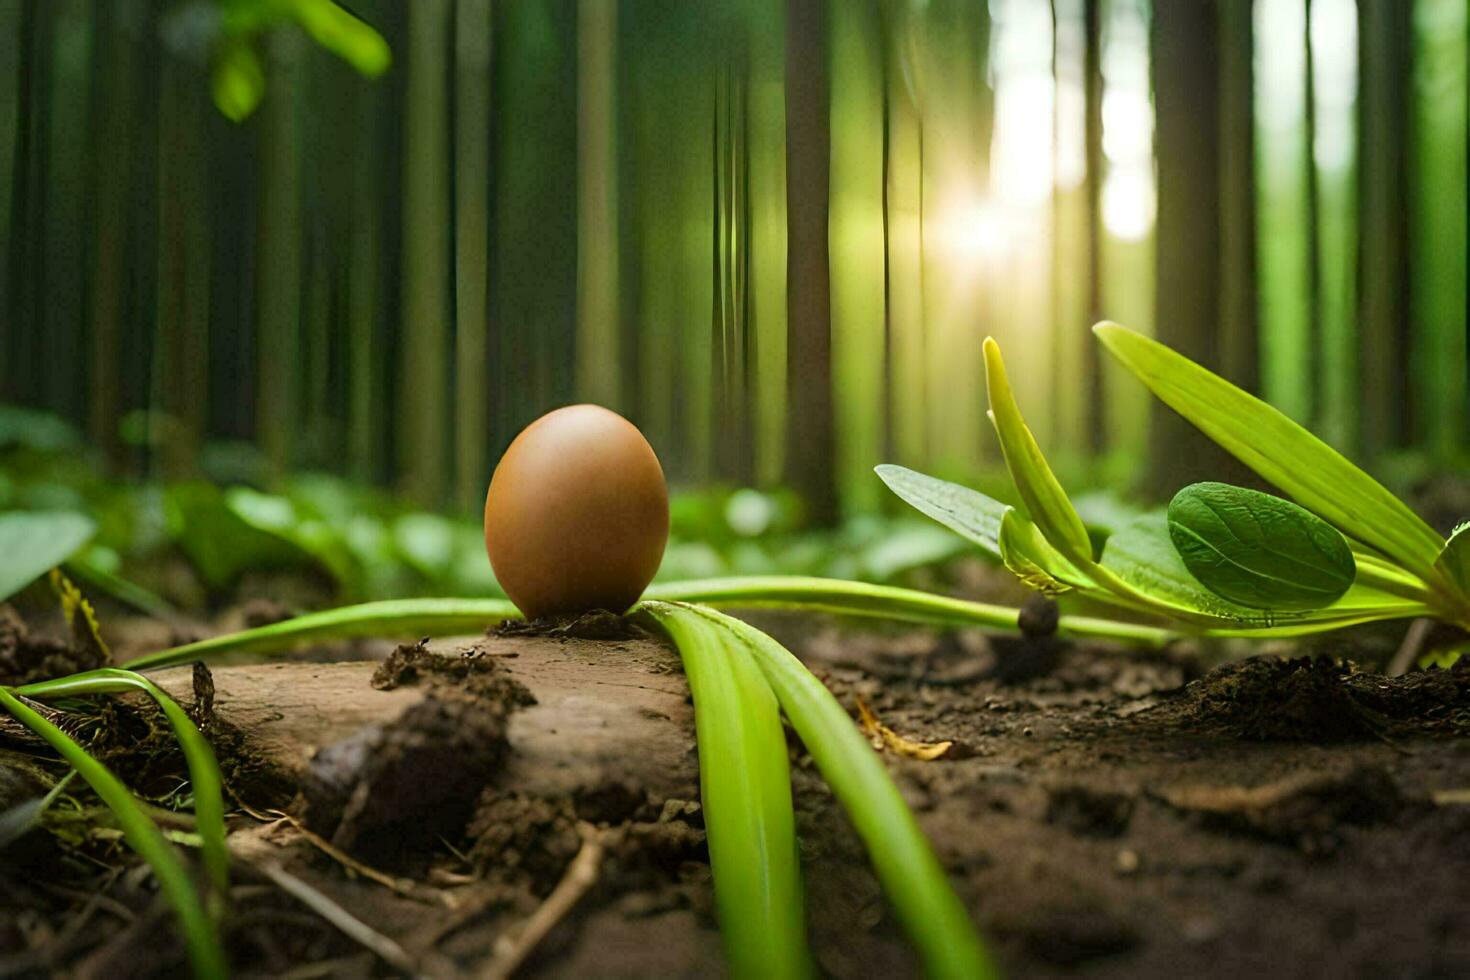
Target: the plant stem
pixel 745 789
pixel 934 917
pixel 401 617
pixel 450 617
pixel 885 602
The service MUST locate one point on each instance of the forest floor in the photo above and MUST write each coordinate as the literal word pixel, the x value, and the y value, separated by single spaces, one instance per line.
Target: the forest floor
pixel 528 801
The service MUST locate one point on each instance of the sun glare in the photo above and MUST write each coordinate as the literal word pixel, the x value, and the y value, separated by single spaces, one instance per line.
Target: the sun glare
pixel 975 231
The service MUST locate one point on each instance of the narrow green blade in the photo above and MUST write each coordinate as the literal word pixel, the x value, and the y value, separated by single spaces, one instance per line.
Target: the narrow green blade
pixel 968 513
pixel 932 914
pixel 745 786
pixel 1282 452
pixel 204 774
pixel 200 937
pixel 1046 502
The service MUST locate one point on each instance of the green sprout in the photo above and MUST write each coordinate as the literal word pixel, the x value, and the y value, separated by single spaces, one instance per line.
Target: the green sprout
pixel 201 936
pixel 1223 560
pixel 204 774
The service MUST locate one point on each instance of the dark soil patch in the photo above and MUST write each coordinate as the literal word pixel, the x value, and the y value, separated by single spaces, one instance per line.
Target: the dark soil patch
pixel 1102 814
pixel 27 657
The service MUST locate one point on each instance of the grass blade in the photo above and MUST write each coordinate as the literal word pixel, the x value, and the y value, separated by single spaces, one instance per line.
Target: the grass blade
pixel 204 774
pixel 202 941
pixel 931 913
pixel 403 617
pixel 1280 451
pixel 745 785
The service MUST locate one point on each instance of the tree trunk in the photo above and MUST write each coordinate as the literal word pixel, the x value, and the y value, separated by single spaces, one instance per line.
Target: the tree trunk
pixel 810 468
pixel 598 357
pixel 423 466
pixel 1239 349
pixel 472 102
pixel 1092 88
pixel 1187 71
pixel 1384 46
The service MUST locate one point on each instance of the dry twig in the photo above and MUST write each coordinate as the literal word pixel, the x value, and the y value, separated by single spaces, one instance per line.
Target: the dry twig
pixel 516 944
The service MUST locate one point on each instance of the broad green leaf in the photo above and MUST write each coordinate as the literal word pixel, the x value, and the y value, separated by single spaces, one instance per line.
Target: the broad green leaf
pixel 299 525
pixel 1142 555
pixel 1454 560
pixel 34 542
pixel 1258 550
pixel 1282 452
pixel 1028 554
pixel 968 513
pixel 219 542
pixel 1046 502
pixel 32 429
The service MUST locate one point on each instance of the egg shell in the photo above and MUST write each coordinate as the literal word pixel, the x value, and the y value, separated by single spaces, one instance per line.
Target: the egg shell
pixel 577 514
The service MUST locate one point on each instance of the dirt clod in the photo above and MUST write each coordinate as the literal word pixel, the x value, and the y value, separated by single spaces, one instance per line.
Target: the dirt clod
pixel 415 777
pixel 1305 699
pixel 595 624
pixel 26 657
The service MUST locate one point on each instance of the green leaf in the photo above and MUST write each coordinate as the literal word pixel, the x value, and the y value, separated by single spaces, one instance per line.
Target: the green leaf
pixel 1141 554
pixel 1282 452
pixel 1258 550
pixel 220 542
pixel 344 35
pixel 1033 560
pixel 34 542
pixel 200 935
pixel 32 429
pixel 914 880
pixel 968 513
pixel 237 80
pixel 1454 560
pixel 745 788
pixel 1046 502
pixel 1143 557
pixel 204 774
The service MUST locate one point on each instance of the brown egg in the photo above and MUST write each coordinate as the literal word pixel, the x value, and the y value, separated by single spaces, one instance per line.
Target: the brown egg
pixel 577 514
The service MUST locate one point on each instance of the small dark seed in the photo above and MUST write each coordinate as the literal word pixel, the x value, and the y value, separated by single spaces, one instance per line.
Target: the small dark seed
pixel 1039 616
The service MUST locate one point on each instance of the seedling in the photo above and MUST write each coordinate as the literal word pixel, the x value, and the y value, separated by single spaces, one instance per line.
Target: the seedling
pixel 1222 560
pixel 201 936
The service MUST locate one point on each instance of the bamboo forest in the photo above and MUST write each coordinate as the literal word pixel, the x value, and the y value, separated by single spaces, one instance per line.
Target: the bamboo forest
pixel 641 488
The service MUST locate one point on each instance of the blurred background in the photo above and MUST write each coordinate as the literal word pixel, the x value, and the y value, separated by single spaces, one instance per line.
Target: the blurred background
pixel 321 254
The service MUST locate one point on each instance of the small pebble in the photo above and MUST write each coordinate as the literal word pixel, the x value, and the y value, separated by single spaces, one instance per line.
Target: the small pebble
pixel 1128 862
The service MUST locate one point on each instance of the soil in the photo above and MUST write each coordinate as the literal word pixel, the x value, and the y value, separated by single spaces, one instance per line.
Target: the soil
pixel 1102 813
